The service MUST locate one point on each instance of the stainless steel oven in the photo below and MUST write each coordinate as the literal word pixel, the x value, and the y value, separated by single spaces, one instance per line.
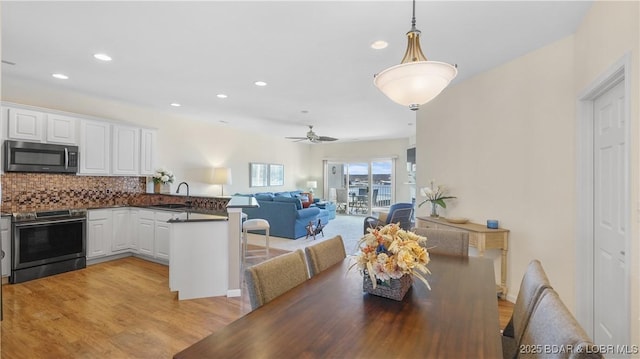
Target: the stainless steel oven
pixel 47 243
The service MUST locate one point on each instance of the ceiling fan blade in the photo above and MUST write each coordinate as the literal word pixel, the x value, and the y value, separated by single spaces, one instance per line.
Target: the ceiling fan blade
pixel 326 139
pixel 296 138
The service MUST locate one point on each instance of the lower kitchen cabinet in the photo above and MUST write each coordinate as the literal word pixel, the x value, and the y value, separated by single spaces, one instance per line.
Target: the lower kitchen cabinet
pixel 99 232
pixel 141 231
pixel 162 235
pixel 5 237
pixel 121 239
pixel 146 230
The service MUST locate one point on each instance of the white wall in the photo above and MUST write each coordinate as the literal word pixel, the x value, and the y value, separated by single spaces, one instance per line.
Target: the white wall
pixel 609 31
pixel 188 147
pixel 505 143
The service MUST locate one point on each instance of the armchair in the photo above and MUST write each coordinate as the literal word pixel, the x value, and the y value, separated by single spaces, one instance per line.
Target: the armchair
pixel 398 213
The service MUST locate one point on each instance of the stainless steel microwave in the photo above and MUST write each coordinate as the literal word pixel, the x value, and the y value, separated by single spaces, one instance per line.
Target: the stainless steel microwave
pixel 20 156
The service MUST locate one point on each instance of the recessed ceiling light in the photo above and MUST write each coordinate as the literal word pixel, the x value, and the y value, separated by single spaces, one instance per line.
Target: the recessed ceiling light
pixel 223 121
pixel 379 45
pixel 260 83
pixel 175 104
pixel 304 111
pixel 221 95
pixel 60 76
pixel 102 57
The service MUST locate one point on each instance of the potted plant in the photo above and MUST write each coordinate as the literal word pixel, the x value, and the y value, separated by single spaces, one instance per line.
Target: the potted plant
pixel 161 180
pixel 436 196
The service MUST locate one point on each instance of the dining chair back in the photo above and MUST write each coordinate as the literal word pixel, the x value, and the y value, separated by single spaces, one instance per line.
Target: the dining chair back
pixel 533 284
pixel 325 254
pixel 403 217
pixel 373 222
pixel 271 278
pixel 441 241
pixel 553 326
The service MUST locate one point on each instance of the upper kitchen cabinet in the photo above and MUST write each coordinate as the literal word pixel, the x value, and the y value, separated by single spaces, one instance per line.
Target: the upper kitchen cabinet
pixel 25 125
pixel 37 126
pixel 95 147
pixel 147 152
pixel 61 129
pixel 106 147
pixel 126 151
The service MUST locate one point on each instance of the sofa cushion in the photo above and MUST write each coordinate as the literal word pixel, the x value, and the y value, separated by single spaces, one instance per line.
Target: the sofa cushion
pixel 296 201
pixel 264 196
pixel 283 194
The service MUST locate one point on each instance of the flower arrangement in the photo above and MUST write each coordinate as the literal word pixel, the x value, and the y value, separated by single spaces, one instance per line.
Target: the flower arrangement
pixel 435 195
pixel 390 253
pixel 163 176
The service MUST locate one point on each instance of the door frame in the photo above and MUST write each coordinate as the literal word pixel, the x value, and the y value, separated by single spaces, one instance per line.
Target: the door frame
pixel 585 238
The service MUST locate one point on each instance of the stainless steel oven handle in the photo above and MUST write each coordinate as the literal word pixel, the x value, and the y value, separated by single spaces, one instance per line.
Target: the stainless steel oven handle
pixel 66 158
pixel 43 222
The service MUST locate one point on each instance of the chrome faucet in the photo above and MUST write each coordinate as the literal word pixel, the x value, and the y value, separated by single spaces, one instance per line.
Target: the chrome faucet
pixel 188 201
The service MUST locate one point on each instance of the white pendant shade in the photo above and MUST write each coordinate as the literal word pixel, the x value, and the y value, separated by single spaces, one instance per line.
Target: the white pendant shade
pixel 415 83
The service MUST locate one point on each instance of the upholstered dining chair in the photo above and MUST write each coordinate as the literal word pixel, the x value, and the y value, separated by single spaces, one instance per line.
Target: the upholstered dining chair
pixel 398 213
pixel 325 254
pixel 441 241
pixel 271 278
pixel 533 284
pixel 552 326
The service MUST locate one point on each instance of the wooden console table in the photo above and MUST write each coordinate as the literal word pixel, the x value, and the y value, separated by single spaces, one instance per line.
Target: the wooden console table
pixel 480 237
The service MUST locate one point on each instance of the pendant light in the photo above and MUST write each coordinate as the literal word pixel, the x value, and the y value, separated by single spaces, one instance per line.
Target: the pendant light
pixel 416 80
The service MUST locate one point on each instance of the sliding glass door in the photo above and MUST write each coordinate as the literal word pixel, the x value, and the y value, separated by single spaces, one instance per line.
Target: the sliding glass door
pixel 360 188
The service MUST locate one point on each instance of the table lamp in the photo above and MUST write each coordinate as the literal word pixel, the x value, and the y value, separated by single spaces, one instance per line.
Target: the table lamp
pixel 222 176
pixel 312 185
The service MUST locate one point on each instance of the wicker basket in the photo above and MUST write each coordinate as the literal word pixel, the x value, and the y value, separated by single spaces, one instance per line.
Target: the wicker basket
pixel 393 289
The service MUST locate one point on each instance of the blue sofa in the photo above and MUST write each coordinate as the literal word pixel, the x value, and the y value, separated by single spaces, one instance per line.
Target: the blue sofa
pixel 285 214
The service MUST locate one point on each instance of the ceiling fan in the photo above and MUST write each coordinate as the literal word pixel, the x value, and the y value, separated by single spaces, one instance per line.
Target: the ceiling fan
pixel 313 137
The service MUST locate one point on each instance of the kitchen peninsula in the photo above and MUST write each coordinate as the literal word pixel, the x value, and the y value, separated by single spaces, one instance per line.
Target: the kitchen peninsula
pixel 199 247
pixel 205 252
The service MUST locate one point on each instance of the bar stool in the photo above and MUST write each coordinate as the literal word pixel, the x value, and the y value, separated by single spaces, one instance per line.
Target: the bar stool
pixel 255 225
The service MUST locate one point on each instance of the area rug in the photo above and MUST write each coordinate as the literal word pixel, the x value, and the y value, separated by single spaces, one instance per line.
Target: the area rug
pixel 349 227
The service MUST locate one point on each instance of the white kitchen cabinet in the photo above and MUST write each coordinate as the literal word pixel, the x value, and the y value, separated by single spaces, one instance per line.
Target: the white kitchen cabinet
pixel 146 230
pixel 147 152
pixel 163 234
pixel 126 150
pixel 95 147
pixel 99 232
pixel 133 229
pixel 121 239
pixel 25 125
pixel 5 237
pixel 61 129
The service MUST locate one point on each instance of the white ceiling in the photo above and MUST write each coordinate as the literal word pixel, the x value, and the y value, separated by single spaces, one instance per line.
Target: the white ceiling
pixel 314 55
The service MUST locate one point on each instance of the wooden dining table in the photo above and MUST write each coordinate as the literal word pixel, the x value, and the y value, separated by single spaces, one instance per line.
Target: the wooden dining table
pixel 329 316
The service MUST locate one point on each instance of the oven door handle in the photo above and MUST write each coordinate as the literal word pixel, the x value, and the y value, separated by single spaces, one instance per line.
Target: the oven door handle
pixel 66 158
pixel 44 222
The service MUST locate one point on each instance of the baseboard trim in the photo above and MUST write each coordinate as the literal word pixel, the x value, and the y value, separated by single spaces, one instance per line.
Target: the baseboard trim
pixel 234 293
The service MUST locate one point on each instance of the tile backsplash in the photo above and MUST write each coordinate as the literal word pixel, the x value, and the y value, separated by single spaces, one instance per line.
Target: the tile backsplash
pixel 22 192
pixel 32 192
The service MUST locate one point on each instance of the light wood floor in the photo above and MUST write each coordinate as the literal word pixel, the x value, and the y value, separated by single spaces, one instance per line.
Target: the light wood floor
pixel 117 309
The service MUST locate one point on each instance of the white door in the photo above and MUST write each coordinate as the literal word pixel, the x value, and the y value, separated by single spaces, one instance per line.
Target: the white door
pixel 611 220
